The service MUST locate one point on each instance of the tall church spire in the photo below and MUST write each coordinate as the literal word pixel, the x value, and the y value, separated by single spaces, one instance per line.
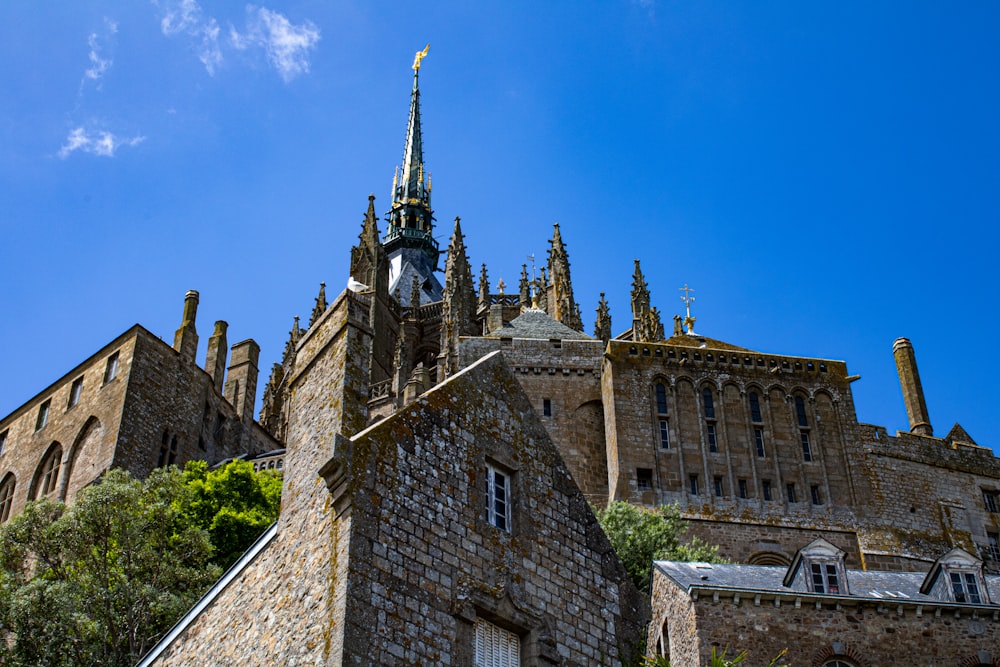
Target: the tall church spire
pixel 410 238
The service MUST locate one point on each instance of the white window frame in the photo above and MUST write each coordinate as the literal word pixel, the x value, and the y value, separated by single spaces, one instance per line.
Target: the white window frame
pixel 498 497
pixel 496 647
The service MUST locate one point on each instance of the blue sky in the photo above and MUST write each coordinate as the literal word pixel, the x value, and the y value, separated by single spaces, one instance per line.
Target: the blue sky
pixel 824 175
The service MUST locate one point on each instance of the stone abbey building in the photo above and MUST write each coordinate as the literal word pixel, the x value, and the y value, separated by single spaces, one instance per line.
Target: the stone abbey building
pixel 444 442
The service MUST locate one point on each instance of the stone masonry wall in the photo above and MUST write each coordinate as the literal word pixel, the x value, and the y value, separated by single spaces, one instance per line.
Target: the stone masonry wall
pixel 927 496
pixel 869 634
pixel 171 399
pixel 566 373
pixel 425 562
pixel 85 433
pixel 283 608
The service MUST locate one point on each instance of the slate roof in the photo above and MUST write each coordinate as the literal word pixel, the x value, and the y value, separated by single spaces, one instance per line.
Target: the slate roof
pixel 863 584
pixel 534 323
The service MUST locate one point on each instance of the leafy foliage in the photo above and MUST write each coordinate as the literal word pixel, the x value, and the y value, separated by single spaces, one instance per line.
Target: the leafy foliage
pixel 640 536
pixel 99 581
pixel 234 504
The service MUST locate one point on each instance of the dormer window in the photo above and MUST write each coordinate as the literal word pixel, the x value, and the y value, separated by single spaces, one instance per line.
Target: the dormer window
pixel 819 567
pixel 825 578
pixel 956 577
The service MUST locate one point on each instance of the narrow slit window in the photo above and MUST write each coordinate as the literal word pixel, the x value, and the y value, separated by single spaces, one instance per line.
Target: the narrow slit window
pixel 800 411
pixel 693 484
pixel 661 399
pixel 806 447
pixel 755 415
pixel 758 437
pixel 664 434
pixel 713 441
pixel 708 402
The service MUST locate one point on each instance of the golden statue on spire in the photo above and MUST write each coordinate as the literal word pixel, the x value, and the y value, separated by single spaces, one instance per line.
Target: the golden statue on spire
pixel 420 56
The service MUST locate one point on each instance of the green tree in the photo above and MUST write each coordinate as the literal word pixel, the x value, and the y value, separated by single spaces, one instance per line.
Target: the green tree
pixel 640 536
pixel 98 582
pixel 234 504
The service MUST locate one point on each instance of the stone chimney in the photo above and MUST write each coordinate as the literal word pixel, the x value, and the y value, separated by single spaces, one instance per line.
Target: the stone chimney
pixel 215 359
pixel 186 338
pixel 913 392
pixel 241 384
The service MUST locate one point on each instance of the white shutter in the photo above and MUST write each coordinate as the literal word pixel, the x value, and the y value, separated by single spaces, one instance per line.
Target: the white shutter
pixel 496 647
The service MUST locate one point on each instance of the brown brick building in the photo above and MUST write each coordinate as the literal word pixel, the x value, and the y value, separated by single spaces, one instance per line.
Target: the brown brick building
pixel 135 404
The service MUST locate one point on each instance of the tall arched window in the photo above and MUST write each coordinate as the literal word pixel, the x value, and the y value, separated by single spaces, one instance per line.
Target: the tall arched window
pixel 800 411
pixel 663 426
pixel 755 415
pixel 48 479
pixel 661 399
pixel 6 497
pixel 708 402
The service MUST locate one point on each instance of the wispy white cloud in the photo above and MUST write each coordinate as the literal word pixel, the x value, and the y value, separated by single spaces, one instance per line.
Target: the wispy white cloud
pixel 99 61
pixel 100 142
pixel 287 45
pixel 185 17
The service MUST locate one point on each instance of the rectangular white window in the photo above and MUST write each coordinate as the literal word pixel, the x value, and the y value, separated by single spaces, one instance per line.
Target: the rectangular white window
pixel 111 370
pixel 74 392
pixel 498 498
pixel 496 647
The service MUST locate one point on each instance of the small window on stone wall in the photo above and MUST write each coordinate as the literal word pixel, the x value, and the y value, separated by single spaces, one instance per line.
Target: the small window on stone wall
pixel 993 546
pixel 766 487
pixel 3 440
pixel 717 484
pixel 6 497
pixel 497 498
pixel 75 390
pixel 992 501
pixel 790 492
pixel 661 398
pixel 496 647
pixel 111 369
pixel 758 437
pixel 43 415
pixel 817 498
pixel 693 485
pixel 644 479
pixel 547 407
pixel 743 488
pixel 664 434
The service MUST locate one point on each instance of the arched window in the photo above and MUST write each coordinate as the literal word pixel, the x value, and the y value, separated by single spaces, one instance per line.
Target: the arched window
pixel 48 479
pixel 755 416
pixel 709 403
pixel 6 497
pixel 661 399
pixel 800 411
